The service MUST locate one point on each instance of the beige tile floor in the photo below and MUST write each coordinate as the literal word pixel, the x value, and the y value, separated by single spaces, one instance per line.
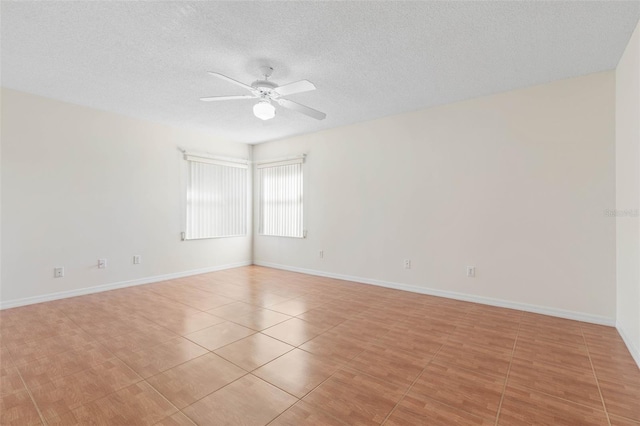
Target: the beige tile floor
pixel 257 346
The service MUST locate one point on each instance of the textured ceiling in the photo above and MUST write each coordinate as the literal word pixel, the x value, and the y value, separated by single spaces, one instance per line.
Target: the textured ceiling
pixel 367 59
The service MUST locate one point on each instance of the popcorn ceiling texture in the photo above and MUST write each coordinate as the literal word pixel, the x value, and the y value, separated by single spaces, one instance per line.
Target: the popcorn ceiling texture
pixel 367 59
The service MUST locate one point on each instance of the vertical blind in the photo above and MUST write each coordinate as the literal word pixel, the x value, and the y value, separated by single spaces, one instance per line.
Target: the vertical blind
pixel 216 198
pixel 281 198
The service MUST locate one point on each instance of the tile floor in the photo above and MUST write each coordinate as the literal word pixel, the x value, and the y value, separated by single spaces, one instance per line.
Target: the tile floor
pixel 257 346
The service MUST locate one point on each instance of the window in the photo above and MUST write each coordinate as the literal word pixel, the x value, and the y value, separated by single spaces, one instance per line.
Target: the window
pixel 281 198
pixel 216 198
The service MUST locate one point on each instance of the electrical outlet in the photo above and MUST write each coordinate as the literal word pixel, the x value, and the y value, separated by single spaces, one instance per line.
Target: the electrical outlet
pixel 102 263
pixel 407 264
pixel 137 259
pixel 471 271
pixel 321 254
pixel 58 272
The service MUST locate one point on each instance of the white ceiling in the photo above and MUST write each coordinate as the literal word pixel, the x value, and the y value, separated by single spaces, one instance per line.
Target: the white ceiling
pixel 367 59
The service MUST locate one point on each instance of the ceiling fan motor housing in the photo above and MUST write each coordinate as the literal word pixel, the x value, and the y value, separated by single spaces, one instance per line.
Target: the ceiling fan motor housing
pixel 264 87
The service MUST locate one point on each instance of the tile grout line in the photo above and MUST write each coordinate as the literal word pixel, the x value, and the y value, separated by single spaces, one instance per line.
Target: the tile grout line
pixel 506 379
pixel 422 372
pixel 415 380
pixel 166 399
pixel 142 379
pixel 595 376
pixel 323 381
pixel 560 398
pixel 246 372
pixel 33 400
pixel 42 417
pixel 197 400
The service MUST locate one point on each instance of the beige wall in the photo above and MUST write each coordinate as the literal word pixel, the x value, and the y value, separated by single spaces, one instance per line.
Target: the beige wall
pixel 516 184
pixel 628 194
pixel 80 184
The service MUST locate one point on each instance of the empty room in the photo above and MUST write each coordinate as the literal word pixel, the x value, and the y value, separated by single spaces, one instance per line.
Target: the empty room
pixel 320 213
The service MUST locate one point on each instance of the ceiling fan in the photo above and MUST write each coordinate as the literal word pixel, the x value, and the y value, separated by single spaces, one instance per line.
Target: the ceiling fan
pixel 268 93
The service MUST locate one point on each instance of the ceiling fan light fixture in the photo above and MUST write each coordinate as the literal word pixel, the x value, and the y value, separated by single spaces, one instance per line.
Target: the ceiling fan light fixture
pixel 264 110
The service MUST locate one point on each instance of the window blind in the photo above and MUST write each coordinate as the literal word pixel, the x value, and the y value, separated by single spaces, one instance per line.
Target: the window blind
pixel 281 198
pixel 216 198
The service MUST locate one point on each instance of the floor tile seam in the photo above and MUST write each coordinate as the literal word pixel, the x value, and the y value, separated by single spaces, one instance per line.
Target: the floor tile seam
pixel 468 316
pixel 301 313
pixel 634 421
pixel 13 363
pixel 457 338
pixel 163 397
pixel 617 381
pixel 489 324
pixel 506 379
pixel 475 305
pixel 201 398
pixel 539 342
pixel 408 389
pixel 259 331
pixel 297 346
pixel 160 372
pixel 186 304
pixel 347 366
pixel 455 408
pixel 173 414
pixel 43 420
pixel 480 346
pixel 111 392
pixel 542 339
pixel 478 371
pixel 595 376
pixel 402 350
pixel 153 346
pixel 566 367
pixel 275 386
pixel 114 355
pixel 175 366
pixel 44 338
pixel 324 356
pixel 254 369
pixel 616 353
pixel 559 398
pixel 338 368
pixel 312 323
pixel 98 339
pixel 326 413
pixel 290 315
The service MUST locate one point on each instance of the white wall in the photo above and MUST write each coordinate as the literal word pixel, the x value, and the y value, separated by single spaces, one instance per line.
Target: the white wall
pixel 628 194
pixel 516 184
pixel 80 184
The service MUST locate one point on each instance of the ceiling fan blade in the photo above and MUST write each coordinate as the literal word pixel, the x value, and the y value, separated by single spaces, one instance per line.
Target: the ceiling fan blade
pixel 230 80
pixel 296 87
pixel 302 109
pixel 226 98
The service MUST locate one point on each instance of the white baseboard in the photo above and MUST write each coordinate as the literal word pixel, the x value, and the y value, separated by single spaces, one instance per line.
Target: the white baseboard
pixel 578 316
pixel 635 352
pixel 6 304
